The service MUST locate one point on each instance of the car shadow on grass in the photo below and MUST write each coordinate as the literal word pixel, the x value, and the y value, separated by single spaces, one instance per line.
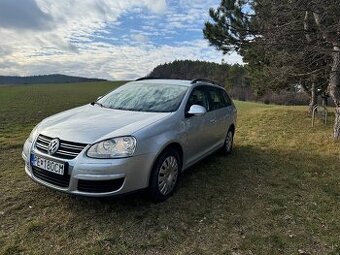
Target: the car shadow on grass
pixel 141 197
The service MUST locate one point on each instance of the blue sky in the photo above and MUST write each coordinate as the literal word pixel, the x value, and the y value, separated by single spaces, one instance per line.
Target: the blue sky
pixel 121 39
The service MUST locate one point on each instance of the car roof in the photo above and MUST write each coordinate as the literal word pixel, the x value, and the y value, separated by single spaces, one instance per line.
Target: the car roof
pixel 187 83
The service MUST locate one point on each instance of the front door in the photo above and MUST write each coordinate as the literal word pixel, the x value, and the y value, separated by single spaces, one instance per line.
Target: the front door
pixel 199 136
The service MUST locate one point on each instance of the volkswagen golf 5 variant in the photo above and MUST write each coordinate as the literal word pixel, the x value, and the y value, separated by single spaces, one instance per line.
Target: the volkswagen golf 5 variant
pixel 141 135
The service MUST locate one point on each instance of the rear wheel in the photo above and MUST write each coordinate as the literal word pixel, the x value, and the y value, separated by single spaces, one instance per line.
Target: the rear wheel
pixel 228 142
pixel 164 176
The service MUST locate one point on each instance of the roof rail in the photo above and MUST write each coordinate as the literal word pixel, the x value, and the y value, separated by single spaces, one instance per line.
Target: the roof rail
pixel 147 78
pixel 203 80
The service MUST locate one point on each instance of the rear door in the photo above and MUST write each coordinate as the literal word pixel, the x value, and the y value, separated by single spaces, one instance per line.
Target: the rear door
pixel 199 130
pixel 221 108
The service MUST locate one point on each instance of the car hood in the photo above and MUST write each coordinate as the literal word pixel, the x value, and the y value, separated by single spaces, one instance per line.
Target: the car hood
pixel 92 123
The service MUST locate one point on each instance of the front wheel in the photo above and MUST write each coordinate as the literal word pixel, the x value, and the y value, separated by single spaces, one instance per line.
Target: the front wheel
pixel 164 175
pixel 228 142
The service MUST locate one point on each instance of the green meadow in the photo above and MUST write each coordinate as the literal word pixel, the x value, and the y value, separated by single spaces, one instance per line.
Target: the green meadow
pixel 277 193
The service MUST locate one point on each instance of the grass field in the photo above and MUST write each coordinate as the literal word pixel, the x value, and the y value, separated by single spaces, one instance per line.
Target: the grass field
pixel 278 193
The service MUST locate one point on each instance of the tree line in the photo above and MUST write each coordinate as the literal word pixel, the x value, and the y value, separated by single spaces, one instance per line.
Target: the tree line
pixel 235 78
pixel 224 74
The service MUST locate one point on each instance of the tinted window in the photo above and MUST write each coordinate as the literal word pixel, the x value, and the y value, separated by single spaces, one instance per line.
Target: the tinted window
pixel 145 97
pixel 227 98
pixel 197 97
pixel 216 99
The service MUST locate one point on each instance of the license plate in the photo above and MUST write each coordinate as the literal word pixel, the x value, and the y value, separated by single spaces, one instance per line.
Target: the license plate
pixel 48 165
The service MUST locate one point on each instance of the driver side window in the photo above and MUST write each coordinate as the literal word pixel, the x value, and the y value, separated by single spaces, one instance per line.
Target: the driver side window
pixel 197 97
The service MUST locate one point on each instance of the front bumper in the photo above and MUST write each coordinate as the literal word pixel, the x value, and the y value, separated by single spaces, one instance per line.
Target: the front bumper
pixel 133 173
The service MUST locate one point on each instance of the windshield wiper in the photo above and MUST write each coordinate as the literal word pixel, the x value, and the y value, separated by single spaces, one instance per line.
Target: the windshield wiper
pixel 123 109
pixel 101 105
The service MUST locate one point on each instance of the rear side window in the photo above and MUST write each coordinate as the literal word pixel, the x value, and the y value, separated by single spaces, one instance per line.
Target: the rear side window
pixel 217 99
pixel 227 98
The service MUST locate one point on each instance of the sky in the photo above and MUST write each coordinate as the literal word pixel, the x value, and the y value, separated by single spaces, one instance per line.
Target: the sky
pixel 110 39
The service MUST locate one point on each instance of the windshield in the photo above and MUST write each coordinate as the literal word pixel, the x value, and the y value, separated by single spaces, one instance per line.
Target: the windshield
pixel 145 97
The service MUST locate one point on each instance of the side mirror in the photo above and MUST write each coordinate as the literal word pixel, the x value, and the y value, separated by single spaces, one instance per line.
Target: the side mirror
pixel 197 110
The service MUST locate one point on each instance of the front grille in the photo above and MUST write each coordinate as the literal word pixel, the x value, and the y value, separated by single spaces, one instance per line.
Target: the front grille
pixel 100 186
pixel 55 179
pixel 67 150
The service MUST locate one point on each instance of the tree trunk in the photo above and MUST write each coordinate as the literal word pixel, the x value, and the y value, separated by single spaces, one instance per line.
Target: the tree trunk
pixel 334 89
pixel 313 98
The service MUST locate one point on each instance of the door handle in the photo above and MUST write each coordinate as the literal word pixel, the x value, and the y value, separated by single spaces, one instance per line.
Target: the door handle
pixel 212 121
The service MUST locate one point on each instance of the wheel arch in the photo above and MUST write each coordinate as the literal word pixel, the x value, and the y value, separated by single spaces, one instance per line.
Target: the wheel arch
pixel 174 145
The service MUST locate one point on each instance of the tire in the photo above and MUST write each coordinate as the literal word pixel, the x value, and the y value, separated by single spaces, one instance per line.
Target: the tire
pixel 164 176
pixel 228 142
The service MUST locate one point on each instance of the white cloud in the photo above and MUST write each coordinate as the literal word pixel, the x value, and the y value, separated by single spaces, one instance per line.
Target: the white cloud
pixel 158 6
pixel 72 20
pixel 139 38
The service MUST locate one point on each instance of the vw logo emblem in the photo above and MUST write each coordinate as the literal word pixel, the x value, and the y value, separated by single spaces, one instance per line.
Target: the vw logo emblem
pixel 53 146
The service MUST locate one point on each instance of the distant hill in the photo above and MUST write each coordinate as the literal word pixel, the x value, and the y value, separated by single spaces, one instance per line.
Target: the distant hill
pixel 224 74
pixel 51 78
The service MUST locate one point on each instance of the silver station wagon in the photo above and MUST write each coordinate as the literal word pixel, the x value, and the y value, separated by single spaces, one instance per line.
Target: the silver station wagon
pixel 141 135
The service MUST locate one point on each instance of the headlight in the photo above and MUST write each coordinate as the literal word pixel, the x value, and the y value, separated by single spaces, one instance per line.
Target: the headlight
pixel 119 147
pixel 32 134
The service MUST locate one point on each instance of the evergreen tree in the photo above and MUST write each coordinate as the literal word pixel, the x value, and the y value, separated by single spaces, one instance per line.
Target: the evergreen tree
pixel 284 42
